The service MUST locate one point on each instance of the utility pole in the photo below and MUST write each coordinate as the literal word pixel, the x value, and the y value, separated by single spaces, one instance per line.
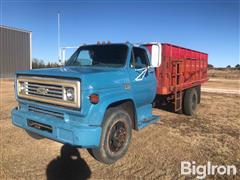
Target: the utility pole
pixel 59 50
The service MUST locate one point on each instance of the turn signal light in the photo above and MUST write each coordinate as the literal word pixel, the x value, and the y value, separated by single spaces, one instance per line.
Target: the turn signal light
pixel 94 98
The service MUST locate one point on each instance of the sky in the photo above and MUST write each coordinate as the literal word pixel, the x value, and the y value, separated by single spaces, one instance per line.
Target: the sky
pixel 209 26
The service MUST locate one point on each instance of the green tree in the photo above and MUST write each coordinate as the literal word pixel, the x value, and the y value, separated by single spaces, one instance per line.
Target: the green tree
pixel 237 66
pixel 39 63
pixel 210 66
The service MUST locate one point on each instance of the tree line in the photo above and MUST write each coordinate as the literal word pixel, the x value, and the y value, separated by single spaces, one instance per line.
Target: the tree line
pixel 210 66
pixel 39 63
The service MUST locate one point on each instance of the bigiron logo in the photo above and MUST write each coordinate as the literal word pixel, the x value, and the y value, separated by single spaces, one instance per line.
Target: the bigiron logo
pixel 191 168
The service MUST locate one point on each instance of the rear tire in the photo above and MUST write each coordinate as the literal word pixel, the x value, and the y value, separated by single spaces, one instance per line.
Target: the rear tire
pixel 190 101
pixel 115 138
pixel 198 89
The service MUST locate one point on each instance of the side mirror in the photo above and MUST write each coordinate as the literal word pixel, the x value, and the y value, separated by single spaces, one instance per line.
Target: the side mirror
pixel 156 55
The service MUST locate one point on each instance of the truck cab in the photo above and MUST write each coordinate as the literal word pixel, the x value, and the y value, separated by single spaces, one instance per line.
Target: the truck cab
pixel 95 101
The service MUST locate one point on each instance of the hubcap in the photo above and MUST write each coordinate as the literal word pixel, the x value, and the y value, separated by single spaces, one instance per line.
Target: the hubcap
pixel 117 138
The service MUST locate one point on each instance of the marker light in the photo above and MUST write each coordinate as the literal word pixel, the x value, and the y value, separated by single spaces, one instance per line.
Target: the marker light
pixel 94 98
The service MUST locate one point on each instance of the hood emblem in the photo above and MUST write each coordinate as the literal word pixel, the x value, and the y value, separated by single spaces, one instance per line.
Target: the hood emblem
pixel 42 90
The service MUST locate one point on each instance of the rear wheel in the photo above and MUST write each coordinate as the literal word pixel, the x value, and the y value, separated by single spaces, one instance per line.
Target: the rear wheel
pixel 198 89
pixel 115 138
pixel 190 101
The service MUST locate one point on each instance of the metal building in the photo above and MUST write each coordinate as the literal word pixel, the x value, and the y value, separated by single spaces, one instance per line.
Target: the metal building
pixel 15 51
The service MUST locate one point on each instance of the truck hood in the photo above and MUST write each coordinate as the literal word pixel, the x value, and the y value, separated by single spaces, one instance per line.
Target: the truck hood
pixel 91 77
pixel 68 71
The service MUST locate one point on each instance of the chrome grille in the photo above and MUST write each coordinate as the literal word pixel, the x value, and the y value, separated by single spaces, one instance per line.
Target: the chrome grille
pixel 48 90
pixel 46 112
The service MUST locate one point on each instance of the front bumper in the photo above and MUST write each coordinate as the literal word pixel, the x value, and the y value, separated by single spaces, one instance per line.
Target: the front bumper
pixel 82 135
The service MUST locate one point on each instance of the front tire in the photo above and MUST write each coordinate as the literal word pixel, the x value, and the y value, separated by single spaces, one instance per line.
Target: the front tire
pixel 115 138
pixel 190 101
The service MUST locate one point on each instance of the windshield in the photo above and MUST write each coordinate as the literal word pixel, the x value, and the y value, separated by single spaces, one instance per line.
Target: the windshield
pixel 99 55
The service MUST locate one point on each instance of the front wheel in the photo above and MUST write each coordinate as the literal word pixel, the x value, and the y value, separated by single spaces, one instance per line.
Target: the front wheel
pixel 115 138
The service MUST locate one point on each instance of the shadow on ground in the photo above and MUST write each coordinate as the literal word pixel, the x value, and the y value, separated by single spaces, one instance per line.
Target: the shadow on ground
pixel 69 165
pixel 166 106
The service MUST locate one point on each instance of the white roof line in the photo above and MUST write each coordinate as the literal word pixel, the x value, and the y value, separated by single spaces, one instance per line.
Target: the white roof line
pixel 15 29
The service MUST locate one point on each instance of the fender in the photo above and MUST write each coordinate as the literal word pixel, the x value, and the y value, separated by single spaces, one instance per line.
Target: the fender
pixel 97 112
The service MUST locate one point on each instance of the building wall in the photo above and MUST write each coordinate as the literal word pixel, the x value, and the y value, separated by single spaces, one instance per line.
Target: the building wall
pixel 15 51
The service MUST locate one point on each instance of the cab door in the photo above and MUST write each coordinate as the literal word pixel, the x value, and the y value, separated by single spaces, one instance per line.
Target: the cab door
pixel 142 77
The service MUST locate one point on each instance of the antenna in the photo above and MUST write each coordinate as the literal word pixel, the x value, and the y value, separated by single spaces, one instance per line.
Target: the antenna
pixel 59 50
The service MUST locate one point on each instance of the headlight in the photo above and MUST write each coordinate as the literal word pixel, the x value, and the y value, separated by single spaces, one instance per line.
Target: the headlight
pixel 21 87
pixel 69 94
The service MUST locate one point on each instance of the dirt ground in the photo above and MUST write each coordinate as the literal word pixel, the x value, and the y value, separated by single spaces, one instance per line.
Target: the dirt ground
pixel 212 134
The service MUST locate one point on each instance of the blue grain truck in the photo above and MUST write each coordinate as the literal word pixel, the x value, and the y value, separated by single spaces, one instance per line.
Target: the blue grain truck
pixel 105 91
pixel 93 102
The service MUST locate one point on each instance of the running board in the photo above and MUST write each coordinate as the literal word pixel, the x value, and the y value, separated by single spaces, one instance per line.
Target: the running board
pixel 153 118
pixel 148 121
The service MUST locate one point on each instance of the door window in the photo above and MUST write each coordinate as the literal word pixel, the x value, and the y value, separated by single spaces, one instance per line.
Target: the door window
pixel 139 58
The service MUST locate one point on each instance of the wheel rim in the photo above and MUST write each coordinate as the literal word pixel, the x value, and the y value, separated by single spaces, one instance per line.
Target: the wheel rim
pixel 194 102
pixel 118 136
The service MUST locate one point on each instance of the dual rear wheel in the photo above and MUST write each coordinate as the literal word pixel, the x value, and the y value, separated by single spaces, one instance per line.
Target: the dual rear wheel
pixel 190 101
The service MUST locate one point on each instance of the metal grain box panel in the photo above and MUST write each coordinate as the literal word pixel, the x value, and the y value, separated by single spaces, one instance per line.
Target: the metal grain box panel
pixel 15 51
pixel 180 68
